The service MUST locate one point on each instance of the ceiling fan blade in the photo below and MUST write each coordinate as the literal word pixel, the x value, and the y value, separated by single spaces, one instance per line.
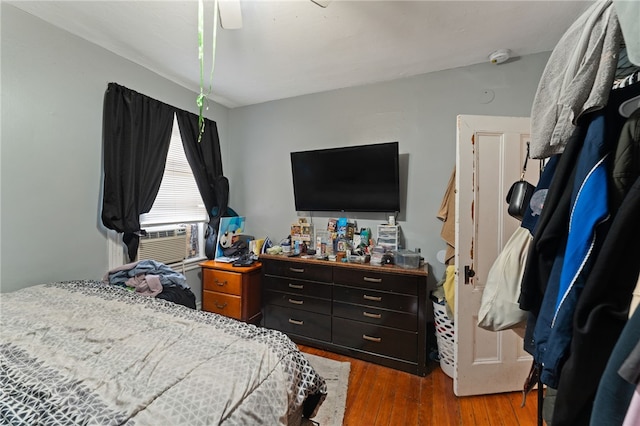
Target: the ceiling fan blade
pixel 322 3
pixel 230 14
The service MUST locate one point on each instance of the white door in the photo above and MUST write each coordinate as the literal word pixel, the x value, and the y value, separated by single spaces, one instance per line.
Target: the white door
pixel 490 154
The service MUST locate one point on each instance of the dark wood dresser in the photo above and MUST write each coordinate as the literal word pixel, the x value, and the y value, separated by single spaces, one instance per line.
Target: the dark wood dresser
pixel 374 313
pixel 235 292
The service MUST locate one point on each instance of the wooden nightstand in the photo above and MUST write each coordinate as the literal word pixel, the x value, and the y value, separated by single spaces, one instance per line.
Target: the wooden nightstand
pixel 235 292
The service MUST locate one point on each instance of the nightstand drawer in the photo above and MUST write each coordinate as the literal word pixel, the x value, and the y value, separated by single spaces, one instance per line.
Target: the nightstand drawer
pixel 376 339
pixel 223 304
pixel 222 281
pixel 302 323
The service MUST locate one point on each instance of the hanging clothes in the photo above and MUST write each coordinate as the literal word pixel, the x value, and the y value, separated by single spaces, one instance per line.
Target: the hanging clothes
pixel 555 328
pixel 614 393
pixel 588 211
pixel 602 310
pixel 582 265
pixel 577 78
pixel 447 214
pixel 551 229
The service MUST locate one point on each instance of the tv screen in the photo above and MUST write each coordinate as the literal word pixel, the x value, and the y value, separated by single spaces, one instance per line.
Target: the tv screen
pixel 363 178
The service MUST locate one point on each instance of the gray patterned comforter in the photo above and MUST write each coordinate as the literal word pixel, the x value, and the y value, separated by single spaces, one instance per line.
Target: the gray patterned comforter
pixel 82 352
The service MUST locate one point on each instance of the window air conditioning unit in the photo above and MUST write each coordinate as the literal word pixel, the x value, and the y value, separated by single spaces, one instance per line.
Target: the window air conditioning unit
pixel 168 246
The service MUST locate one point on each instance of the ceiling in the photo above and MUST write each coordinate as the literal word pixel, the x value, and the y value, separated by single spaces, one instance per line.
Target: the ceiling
pixel 295 47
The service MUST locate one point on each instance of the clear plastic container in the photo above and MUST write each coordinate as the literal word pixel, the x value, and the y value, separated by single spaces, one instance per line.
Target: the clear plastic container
pixel 407 259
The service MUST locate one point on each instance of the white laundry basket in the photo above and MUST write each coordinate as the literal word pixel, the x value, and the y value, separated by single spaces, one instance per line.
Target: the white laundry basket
pixel 444 337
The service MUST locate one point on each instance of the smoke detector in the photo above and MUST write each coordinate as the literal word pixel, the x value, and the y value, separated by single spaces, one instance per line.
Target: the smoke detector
pixel 499 56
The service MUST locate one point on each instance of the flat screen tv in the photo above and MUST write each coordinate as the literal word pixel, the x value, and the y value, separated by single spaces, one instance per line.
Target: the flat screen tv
pixel 363 178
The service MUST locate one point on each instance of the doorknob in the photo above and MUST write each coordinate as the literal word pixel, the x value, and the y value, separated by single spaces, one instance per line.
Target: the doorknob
pixel 468 273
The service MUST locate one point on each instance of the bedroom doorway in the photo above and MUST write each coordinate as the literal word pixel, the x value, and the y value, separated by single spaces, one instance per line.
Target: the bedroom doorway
pixel 490 153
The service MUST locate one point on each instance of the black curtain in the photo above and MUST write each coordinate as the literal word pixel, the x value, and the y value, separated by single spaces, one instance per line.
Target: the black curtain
pixel 206 163
pixel 136 136
pixel 203 157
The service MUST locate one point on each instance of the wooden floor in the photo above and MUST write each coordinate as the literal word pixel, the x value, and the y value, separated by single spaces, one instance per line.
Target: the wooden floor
pixel 382 396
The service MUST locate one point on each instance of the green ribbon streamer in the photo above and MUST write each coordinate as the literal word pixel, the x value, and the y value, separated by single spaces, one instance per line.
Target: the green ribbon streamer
pixel 202 97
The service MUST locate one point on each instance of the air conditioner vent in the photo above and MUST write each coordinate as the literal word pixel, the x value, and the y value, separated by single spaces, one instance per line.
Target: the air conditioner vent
pixel 166 246
pixel 164 233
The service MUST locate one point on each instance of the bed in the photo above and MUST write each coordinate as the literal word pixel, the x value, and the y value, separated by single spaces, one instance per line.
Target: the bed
pixel 82 352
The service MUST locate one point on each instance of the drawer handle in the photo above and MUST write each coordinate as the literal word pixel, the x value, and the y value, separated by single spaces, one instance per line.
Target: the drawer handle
pixel 372 339
pixel 373 280
pixel 296 302
pixel 296 286
pixel 296 322
pixel 219 306
pixel 297 270
pixel 373 298
pixel 221 283
pixel 370 315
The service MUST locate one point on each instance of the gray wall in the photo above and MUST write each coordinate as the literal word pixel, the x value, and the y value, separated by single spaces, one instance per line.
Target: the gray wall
pixel 53 87
pixel 50 166
pixel 419 112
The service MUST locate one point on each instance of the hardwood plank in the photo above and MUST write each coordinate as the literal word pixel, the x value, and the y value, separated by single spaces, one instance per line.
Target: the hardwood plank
pixel 400 402
pixel 382 396
pixel 481 415
pixel 425 409
pixel 467 414
pixel 530 410
pixel 388 393
pixel 501 409
pixel 413 400
pixel 446 407
pixel 365 405
pixel 360 404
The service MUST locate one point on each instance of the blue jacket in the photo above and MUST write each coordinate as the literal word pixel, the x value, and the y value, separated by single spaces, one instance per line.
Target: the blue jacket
pixel 589 210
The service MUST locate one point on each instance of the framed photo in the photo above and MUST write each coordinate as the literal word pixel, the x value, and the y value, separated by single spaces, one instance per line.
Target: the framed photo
pixel 228 233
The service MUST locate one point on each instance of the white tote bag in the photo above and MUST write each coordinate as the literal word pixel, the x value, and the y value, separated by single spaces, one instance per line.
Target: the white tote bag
pixel 499 309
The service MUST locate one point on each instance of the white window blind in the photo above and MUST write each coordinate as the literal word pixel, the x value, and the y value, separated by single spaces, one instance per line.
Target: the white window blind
pixel 178 199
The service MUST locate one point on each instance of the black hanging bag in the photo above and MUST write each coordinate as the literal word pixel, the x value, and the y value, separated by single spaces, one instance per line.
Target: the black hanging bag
pixel 520 193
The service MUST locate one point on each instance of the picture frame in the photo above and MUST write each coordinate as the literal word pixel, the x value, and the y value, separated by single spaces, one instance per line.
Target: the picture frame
pixel 228 233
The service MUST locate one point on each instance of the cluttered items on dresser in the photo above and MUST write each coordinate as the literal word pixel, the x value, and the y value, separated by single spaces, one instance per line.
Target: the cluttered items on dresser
pixel 341 241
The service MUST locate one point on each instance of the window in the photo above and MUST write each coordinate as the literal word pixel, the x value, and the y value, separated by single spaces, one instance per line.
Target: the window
pixel 177 211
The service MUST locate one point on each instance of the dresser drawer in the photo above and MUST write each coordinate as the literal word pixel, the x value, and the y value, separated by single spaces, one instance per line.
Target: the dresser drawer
pixel 374 338
pixel 307 288
pixel 302 323
pixel 222 281
pixel 393 319
pixel 379 299
pixel 299 270
pixel 395 283
pixel 221 303
pixel 305 303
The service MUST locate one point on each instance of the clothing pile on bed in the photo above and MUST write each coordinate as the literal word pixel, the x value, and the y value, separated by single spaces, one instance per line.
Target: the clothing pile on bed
pixel 154 279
